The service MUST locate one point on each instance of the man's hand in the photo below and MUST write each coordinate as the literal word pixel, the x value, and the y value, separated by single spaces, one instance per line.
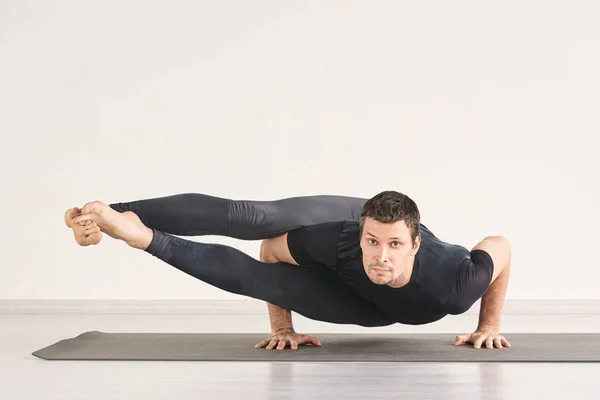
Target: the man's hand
pixel 490 337
pixel 288 336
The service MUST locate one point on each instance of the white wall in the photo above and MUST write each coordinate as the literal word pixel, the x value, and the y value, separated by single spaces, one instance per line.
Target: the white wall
pixel 484 113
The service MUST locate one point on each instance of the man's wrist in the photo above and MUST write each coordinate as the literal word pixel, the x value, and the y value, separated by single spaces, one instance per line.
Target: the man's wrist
pixel 488 327
pixel 281 329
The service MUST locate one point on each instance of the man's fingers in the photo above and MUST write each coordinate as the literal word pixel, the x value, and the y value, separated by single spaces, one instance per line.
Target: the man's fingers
pixel 261 344
pixel 281 345
pixel 280 342
pixel 480 338
pixel 479 341
pixel 311 340
pixel 272 344
pixel 461 339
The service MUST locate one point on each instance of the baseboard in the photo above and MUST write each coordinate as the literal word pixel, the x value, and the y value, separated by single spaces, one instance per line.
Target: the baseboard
pixel 119 306
pixel 250 306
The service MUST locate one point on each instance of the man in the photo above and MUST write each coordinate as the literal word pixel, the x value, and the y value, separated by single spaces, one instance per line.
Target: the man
pixel 330 258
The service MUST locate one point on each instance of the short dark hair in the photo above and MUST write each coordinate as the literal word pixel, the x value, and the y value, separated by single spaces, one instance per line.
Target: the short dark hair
pixel 391 206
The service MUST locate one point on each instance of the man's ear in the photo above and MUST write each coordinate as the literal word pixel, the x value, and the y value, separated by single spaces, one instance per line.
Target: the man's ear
pixel 417 245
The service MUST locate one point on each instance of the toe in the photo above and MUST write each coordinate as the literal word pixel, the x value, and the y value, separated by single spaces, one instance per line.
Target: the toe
pixel 80 219
pixel 94 207
pixel 94 238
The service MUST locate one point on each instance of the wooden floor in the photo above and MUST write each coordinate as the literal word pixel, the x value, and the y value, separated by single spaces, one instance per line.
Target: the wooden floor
pixel 23 376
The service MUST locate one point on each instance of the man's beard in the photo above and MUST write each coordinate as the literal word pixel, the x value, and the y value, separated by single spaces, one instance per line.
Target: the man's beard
pixel 381 279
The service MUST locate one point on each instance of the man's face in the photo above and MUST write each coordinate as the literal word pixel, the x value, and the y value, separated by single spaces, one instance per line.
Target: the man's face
pixel 388 251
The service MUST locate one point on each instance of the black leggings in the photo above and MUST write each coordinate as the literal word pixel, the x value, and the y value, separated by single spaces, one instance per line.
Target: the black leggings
pixel 313 291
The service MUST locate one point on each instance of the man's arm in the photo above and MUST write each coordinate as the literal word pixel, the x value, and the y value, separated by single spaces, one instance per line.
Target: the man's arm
pixel 276 250
pixel 488 329
pixel 492 301
pixel 272 251
pixel 314 244
pixel 280 319
pixel 282 330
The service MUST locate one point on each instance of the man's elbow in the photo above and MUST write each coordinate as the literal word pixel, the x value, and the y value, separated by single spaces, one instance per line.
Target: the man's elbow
pixel 267 255
pixel 276 250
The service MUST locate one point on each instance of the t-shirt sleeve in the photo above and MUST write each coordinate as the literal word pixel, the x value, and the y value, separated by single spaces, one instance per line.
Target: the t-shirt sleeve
pixel 471 281
pixel 315 244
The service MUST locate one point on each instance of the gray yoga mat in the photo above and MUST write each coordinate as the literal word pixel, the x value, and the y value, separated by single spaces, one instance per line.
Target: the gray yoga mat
pixel 531 347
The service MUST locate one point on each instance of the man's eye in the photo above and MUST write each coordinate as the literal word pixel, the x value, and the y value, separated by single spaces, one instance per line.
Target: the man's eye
pixel 396 243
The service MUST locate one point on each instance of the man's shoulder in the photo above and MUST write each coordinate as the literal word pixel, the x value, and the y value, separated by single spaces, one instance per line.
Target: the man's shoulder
pixel 438 263
pixel 349 240
pixel 315 243
pixel 350 224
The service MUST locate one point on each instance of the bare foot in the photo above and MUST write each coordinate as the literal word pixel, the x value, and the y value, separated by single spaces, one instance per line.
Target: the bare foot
pixel 70 214
pixel 123 226
pixel 87 232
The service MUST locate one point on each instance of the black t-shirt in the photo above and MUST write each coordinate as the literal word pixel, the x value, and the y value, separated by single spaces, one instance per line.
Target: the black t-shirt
pixel 446 278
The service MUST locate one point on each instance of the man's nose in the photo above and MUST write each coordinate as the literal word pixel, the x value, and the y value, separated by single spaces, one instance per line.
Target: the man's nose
pixel 382 255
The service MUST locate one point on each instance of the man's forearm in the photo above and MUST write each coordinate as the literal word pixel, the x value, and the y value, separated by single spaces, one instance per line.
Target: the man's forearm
pixel 492 302
pixel 280 318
